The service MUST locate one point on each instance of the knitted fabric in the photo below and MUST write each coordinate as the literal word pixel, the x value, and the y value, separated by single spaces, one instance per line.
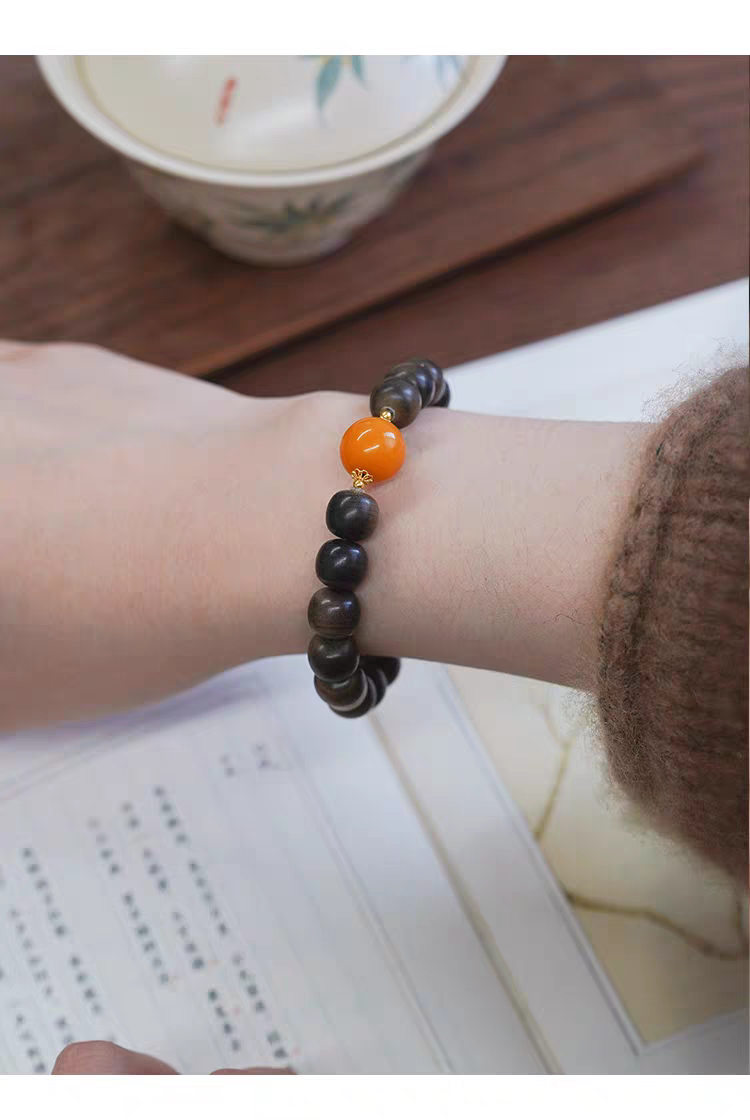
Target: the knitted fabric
pixel 672 690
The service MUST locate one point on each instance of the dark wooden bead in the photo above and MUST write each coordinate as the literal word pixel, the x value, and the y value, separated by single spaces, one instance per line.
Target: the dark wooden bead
pixel 361 709
pixel 389 665
pixel 435 372
pixel 333 614
pixel 352 514
pixel 332 659
pixel 445 398
pixel 417 375
pixel 402 397
pixel 341 564
pixel 344 694
pixel 377 676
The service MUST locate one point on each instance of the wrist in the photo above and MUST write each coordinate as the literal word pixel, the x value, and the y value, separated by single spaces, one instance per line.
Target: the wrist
pixel 290 467
pixel 490 548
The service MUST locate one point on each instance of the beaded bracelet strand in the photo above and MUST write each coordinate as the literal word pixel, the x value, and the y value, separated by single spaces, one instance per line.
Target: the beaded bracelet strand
pixel 372 450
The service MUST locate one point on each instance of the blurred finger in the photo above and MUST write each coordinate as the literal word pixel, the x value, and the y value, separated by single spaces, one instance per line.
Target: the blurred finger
pixel 105 1058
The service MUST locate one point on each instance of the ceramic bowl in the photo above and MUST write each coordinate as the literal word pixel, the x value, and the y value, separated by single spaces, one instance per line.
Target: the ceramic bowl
pixel 272 159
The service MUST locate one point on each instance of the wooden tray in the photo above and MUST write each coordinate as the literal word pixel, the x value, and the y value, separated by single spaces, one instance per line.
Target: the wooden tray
pixel 84 256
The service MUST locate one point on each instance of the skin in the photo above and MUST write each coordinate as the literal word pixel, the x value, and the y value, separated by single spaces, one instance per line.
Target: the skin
pixel 106 1058
pixel 144 512
pixel 157 530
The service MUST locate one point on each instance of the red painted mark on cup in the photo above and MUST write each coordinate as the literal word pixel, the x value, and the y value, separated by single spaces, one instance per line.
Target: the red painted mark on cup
pixel 225 100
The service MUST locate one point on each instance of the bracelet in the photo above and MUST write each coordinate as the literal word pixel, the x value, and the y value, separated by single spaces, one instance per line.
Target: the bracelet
pixel 372 450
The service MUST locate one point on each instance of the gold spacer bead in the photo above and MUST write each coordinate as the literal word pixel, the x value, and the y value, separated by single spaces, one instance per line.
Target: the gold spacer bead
pixel 387 414
pixel 361 478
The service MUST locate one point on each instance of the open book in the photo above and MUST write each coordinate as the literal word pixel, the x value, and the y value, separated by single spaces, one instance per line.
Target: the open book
pixel 238 877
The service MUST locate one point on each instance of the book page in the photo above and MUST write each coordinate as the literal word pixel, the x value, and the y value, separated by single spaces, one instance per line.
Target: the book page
pixel 628 957
pixel 236 878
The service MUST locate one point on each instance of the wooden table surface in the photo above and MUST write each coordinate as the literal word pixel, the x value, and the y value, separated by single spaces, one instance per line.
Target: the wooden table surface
pixel 688 234
pixel 685 236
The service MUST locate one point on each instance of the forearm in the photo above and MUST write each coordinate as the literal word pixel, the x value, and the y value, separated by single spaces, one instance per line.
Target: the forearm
pixel 136 567
pixel 491 547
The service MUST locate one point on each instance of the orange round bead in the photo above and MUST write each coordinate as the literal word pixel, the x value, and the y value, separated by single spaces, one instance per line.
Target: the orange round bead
pixel 373 445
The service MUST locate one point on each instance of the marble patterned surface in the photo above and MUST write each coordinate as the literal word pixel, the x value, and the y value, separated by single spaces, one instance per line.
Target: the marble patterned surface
pixel 670 932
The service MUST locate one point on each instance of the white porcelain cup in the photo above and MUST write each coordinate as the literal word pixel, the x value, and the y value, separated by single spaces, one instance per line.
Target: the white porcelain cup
pixel 272 159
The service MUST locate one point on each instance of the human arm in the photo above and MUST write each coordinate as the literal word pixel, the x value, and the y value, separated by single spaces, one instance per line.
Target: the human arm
pixel 157 530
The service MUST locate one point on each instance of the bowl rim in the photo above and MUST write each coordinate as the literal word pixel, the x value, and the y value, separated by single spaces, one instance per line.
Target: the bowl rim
pixel 64 79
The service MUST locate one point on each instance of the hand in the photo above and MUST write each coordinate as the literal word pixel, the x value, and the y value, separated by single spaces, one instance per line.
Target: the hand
pixel 147 530
pixel 106 1058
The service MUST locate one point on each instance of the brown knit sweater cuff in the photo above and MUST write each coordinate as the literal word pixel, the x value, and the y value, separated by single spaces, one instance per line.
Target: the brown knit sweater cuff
pixel 672 690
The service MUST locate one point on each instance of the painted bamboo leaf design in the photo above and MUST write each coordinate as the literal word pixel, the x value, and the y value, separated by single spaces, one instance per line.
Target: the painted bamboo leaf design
pixel 293 219
pixel 448 65
pixel 328 77
pixel 331 68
